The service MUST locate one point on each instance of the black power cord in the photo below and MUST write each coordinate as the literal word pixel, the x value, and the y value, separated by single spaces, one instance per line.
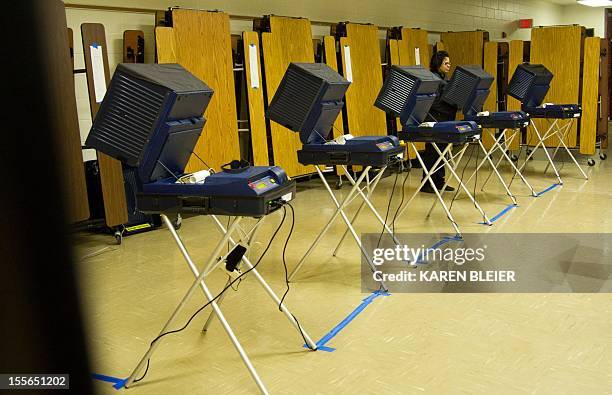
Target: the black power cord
pixel 400 203
pixel 388 208
pixel 217 296
pixel 287 276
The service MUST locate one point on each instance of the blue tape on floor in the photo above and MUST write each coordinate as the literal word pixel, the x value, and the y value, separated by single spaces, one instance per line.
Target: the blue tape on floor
pixel 550 188
pixel 444 240
pixel 331 334
pixel 500 214
pixel 118 383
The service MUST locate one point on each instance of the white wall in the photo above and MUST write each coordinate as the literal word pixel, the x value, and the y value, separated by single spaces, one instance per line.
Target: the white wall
pixel 494 16
pixel 591 17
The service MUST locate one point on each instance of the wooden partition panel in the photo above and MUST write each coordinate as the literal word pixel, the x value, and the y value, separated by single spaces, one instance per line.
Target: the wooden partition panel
pixel 331 59
pixel 604 93
pixel 590 95
pixel 363 118
pixel 490 66
pixel 515 57
pixel 464 47
pixel 404 53
pixel 203 46
pixel 164 44
pixel 289 40
pixel 111 175
pixel 559 49
pixel 257 119
pixel 63 110
pixel 71 46
pixel 413 41
pixel 329 45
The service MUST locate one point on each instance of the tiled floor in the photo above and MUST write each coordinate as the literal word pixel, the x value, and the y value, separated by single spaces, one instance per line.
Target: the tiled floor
pixel 404 343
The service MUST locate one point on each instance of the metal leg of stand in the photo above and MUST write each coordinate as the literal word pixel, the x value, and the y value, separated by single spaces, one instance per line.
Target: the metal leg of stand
pixel 465 189
pixel 486 159
pixel 503 156
pixel 427 178
pixel 371 186
pixel 271 293
pixel 454 164
pixel 339 211
pixel 541 141
pixel 250 236
pixel 219 301
pixel 200 282
pixel 562 134
pixel 435 167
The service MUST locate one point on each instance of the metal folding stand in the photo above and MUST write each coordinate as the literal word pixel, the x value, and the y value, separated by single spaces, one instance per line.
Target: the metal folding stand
pixel 213 262
pixel 452 163
pixel 561 133
pixel 497 146
pixel 356 191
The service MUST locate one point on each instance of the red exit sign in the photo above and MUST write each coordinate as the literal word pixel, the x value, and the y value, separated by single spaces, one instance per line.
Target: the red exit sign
pixel 525 23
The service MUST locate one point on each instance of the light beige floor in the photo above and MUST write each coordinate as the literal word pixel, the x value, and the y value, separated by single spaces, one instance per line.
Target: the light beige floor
pixel 404 343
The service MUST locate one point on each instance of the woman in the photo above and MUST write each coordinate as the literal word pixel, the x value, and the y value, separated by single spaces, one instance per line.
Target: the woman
pixel 440 111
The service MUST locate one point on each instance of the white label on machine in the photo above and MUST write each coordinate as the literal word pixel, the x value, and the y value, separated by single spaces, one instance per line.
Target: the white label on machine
pixel 287 197
pixel 253 66
pixel 97 71
pixel 417 56
pixel 347 63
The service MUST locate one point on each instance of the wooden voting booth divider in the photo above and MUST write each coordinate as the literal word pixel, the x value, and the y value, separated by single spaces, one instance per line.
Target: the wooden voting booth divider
pixel 255 98
pixel 408 47
pixel 465 47
pixel 361 65
pixel 515 57
pixel 111 175
pixel 59 60
pixel 284 40
pixel 604 102
pixel 559 49
pixel 200 42
pixel 589 95
pixel 331 59
pixel 490 66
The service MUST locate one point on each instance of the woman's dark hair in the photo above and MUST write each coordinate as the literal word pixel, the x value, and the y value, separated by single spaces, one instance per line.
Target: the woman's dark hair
pixel 436 60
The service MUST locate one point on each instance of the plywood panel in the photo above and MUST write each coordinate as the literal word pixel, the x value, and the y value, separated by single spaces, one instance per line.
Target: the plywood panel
pixel 289 40
pixel 56 53
pixel 413 39
pixel 402 53
pixel 590 94
pixel 164 44
pixel 363 118
pixel 111 175
pixel 604 93
pixel 203 46
pixel 559 49
pixel 515 57
pixel 490 66
pixel 257 120
pixel 331 59
pixel 464 47
pixel 71 46
pixel 329 45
